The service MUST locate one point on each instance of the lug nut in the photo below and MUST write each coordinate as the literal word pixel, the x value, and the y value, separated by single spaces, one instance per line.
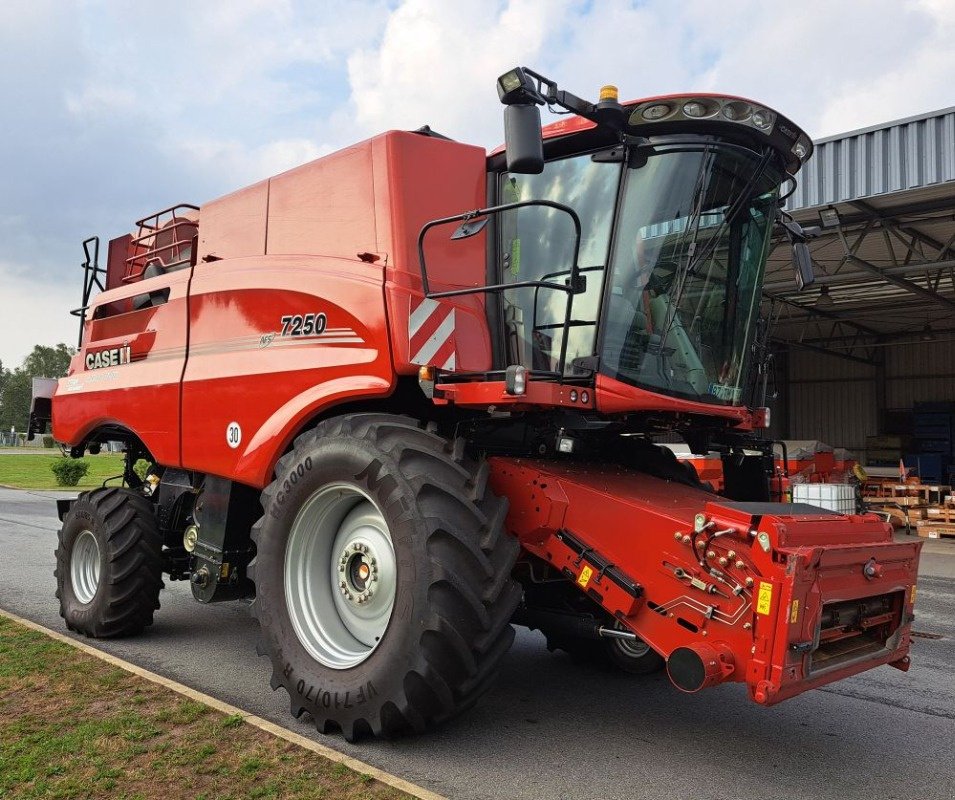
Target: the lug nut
pixel 749 583
pixel 711 554
pixel 686 540
pixel 723 561
pixel 740 565
pixel 678 536
pixel 747 626
pixel 731 554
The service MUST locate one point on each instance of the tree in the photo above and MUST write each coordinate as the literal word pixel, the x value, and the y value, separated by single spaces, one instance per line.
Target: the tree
pixel 48 362
pixel 16 388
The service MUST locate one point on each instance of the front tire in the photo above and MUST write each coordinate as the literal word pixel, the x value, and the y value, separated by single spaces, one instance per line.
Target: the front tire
pixel 383 577
pixel 109 564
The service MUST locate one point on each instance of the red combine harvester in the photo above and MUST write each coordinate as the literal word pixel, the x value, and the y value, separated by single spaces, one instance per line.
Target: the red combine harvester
pixel 405 395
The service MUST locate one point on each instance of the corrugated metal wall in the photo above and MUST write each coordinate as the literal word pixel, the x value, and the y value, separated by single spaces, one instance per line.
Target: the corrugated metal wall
pixel 919 372
pixel 835 400
pixel 831 399
pixel 909 153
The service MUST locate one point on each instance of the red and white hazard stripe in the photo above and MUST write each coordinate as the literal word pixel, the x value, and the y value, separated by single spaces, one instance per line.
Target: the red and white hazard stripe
pixel 431 334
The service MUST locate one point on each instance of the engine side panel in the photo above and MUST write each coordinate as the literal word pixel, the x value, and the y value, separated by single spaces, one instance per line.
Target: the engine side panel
pixel 128 369
pixel 273 341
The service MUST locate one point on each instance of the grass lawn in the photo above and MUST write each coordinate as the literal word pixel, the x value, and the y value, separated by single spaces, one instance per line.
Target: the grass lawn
pixel 72 726
pixel 30 471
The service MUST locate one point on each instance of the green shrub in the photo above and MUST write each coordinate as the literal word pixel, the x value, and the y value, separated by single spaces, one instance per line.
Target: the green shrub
pixel 141 468
pixel 48 442
pixel 68 471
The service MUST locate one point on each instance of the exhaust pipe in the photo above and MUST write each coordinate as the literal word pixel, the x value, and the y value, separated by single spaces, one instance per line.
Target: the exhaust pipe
pixel 699 666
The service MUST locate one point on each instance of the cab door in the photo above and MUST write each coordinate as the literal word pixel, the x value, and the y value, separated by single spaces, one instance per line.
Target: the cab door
pixel 536 243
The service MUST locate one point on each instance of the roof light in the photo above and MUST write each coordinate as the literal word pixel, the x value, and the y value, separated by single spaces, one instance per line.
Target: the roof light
pixel 655 112
pixel 516 88
pixel 829 217
pixel 800 150
pixel 824 300
pixel 737 111
pixel 609 93
pixel 762 119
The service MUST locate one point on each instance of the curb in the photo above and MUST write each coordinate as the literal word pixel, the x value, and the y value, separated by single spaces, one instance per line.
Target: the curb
pixel 262 724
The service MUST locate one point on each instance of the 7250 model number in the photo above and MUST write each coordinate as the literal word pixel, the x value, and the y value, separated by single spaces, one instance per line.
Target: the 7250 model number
pixel 307 325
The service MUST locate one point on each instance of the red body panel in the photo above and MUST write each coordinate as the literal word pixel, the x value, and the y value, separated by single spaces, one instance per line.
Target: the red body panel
pixel 242 369
pixel 142 395
pixel 336 237
pixel 643 526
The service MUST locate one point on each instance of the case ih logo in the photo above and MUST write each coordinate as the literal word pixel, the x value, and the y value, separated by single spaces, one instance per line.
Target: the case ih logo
pixel 108 358
pixel 431 334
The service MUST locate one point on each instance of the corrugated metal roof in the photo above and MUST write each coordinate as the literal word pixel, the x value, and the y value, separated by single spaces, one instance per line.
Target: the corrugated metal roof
pixel 906 154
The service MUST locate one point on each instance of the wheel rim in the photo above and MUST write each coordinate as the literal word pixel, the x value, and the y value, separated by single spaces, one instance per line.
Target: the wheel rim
pixel 85 566
pixel 340 576
pixel 631 648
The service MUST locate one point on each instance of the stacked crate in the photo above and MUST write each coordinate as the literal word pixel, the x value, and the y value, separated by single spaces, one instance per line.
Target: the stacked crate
pixel 886 450
pixel 934 442
pixel 939 521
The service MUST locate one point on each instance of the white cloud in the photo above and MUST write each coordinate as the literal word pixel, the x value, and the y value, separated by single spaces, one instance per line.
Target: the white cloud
pixel 35 311
pixel 113 111
pixel 437 62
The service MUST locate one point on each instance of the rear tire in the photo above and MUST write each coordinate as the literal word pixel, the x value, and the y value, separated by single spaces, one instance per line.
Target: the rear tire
pixel 109 564
pixel 405 508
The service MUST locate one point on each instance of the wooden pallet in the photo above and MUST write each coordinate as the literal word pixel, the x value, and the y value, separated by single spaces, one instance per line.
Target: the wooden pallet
pixel 944 514
pixel 930 529
pixel 899 517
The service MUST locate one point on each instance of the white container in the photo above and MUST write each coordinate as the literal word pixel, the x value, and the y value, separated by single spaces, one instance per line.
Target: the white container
pixel 838 497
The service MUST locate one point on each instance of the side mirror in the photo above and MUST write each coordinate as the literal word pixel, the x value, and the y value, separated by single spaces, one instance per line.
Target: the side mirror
pixel 802 259
pixel 522 139
pixel 802 265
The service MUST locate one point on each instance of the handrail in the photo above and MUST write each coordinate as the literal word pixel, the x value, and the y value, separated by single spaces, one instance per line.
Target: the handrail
pixel 572 286
pixel 169 254
pixel 91 273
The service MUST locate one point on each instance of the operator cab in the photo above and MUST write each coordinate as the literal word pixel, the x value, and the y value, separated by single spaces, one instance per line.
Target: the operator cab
pixel 675 231
pixel 627 245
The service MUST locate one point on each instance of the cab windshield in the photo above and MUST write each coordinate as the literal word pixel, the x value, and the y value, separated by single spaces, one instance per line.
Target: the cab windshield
pixel 685 248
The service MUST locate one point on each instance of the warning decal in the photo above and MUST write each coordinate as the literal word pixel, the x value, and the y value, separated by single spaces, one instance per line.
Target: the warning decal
pixel 584 578
pixel 764 600
pixel 794 612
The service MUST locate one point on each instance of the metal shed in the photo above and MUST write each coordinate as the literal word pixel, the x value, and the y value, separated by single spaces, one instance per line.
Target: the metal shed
pixel 876 333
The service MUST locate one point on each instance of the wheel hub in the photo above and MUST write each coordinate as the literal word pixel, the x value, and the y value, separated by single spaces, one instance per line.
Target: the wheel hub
pixel 85 567
pixel 340 575
pixel 358 567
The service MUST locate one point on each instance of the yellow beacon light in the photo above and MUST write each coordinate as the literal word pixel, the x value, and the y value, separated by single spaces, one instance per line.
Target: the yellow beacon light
pixel 609 92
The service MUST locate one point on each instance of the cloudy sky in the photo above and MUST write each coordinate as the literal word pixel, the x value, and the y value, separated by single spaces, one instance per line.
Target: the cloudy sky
pixel 112 110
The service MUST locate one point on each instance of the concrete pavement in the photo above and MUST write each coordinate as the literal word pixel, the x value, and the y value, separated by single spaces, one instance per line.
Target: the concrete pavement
pixel 552 729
